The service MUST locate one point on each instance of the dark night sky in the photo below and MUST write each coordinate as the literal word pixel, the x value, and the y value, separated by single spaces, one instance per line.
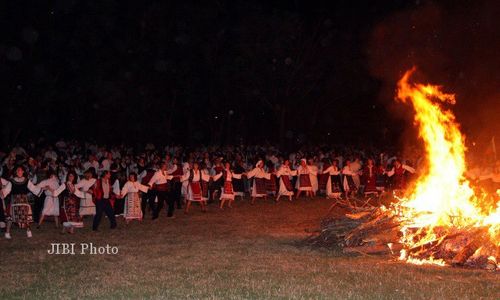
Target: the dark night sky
pixel 225 71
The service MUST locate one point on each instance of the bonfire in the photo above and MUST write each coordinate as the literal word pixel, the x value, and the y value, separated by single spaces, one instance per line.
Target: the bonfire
pixel 441 219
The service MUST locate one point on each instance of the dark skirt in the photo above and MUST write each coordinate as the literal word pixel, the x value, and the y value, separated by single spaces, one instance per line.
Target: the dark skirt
pixel 271 184
pixel 335 183
pixel 238 185
pixel 70 212
pixel 350 183
pixel 260 186
pixel 20 211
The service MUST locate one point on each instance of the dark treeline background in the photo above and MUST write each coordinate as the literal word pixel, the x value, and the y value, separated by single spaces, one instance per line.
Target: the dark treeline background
pixel 212 72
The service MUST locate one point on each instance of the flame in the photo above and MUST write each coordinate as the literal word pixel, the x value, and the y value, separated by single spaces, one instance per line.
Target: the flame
pixel 442 200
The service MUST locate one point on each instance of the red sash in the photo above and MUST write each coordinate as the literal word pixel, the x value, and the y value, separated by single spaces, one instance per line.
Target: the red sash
pixel 305 180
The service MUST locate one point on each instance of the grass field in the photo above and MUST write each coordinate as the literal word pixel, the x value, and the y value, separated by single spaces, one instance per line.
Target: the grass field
pixel 244 252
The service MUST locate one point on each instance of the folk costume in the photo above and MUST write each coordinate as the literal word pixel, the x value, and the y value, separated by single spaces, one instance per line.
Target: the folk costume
pixel 5 188
pixel 197 189
pixel 284 175
pixel 87 206
pixel 19 210
pixel 348 183
pixel 334 182
pixel 160 184
pixel 131 191
pixel 369 179
pixel 70 214
pixel 259 182
pixel 104 195
pixel 304 174
pixel 52 191
pixel 228 193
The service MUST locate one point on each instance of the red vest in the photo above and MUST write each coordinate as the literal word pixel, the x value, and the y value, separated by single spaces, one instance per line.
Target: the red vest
pixel 99 192
pixel 149 174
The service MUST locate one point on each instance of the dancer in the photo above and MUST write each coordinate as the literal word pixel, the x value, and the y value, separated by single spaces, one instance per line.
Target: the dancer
pixel 131 190
pixel 70 215
pixel 5 188
pixel 304 184
pixel 197 187
pixel 349 184
pixel 52 191
pixel 285 184
pixel 369 177
pixel 104 193
pixel 334 183
pixel 160 183
pixel 85 186
pixel 259 182
pixel 19 210
pixel 227 190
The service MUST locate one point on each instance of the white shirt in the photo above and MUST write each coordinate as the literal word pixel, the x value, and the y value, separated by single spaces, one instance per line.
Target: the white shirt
pixel 160 177
pixel 6 188
pixel 85 184
pixel 229 176
pixel 258 173
pixel 332 170
pixel 53 184
pixel 133 187
pixel 286 171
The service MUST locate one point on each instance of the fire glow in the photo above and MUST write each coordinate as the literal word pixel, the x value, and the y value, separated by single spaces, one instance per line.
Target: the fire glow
pixel 442 207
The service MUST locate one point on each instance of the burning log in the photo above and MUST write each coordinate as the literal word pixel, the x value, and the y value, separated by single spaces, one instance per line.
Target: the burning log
pixel 475 243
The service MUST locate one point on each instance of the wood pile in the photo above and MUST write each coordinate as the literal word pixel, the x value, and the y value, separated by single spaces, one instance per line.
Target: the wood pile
pixel 365 231
pixel 378 231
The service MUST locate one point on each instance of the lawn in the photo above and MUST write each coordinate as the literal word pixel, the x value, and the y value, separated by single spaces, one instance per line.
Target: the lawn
pixel 244 252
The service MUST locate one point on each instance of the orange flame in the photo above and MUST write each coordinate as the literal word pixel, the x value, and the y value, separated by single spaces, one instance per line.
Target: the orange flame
pixel 442 197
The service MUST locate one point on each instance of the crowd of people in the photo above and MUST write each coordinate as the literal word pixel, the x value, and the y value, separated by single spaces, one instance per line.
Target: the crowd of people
pixel 71 181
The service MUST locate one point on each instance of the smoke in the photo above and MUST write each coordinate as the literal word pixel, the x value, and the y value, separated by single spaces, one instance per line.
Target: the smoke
pixel 455 44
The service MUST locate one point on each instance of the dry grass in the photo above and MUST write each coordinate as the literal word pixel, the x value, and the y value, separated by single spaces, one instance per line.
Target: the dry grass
pixel 246 252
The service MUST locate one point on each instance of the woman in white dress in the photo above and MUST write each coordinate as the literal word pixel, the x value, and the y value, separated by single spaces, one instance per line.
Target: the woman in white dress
pixel 85 186
pixel 348 183
pixel 304 184
pixel 334 183
pixel 227 189
pixel 313 175
pixel 259 183
pixel 197 189
pixel 131 191
pixel 52 191
pixel 285 184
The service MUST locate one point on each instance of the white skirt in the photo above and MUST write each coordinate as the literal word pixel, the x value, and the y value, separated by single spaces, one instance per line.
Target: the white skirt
pixel 51 206
pixel 87 207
